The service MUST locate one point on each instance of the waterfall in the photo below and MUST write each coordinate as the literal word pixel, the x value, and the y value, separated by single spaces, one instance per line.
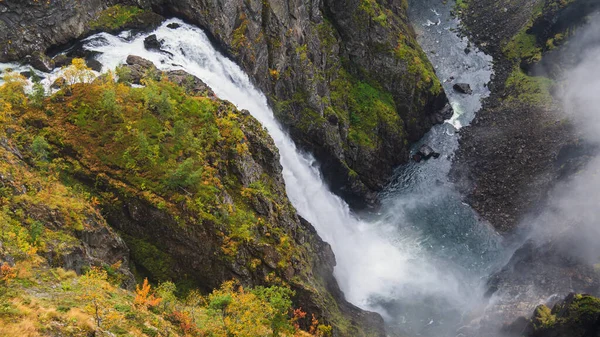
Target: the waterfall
pixel 386 264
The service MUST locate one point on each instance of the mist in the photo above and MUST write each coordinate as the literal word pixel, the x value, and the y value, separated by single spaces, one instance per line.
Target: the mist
pixel 558 242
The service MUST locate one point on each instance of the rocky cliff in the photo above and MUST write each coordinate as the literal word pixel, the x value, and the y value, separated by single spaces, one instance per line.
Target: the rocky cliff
pixel 520 143
pixel 347 78
pixel 192 186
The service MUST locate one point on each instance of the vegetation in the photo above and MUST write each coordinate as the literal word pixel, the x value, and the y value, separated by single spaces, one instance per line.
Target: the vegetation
pixel 533 90
pixel 419 67
pixel 41 301
pixel 367 109
pixel 115 17
pixel 158 144
pixel 575 316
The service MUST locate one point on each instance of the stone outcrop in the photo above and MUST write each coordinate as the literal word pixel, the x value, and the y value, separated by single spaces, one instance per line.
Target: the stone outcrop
pixel 347 78
pixel 252 232
pixel 75 235
pixel 519 144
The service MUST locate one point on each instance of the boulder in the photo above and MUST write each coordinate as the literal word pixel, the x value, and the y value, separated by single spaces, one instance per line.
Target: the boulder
pixel 94 64
pixel 139 61
pixel 463 88
pixel 173 25
pixel 41 62
pixel 192 84
pixel 138 67
pixel 62 60
pixel 152 42
pixel 26 74
pixel 425 152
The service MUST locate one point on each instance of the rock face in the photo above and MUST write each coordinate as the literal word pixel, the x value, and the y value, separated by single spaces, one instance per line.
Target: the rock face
pixel 341 75
pixel 514 150
pixel 323 65
pixel 233 222
pixel 91 243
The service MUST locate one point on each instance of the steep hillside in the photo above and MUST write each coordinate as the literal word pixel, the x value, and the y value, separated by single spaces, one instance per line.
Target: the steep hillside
pixel 347 77
pixel 191 184
pixel 520 143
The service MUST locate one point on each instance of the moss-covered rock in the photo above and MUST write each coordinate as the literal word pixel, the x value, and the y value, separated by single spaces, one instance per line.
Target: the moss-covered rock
pixel 576 316
pixel 301 55
pixel 193 185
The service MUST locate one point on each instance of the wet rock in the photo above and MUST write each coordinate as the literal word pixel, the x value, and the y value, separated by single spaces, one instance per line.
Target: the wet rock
pixel 94 64
pixel 425 152
pixel 442 115
pixel 173 25
pixel 62 60
pixel 41 62
pixel 26 74
pixel 463 88
pixel 152 43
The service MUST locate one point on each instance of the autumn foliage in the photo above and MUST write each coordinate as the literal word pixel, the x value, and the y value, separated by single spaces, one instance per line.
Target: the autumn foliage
pixel 7 273
pixel 144 296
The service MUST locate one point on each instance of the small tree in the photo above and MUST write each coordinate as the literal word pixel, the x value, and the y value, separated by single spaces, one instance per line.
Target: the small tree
pixel 78 72
pixel 40 147
pixel 144 296
pixel 7 273
pixel 36 98
pixel 94 285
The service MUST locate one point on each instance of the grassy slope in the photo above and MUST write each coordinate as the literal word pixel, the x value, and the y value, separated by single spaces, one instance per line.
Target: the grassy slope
pixel 156 143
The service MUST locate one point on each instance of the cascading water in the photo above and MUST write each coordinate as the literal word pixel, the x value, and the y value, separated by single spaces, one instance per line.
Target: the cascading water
pixel 382 265
pixel 421 260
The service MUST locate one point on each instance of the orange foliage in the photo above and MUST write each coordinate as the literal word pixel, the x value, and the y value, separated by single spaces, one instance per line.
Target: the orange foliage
pixel 297 315
pixel 7 273
pixel 185 322
pixel 144 297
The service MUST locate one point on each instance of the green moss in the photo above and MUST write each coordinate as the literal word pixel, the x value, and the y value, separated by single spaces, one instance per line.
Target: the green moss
pixel 543 317
pixel 534 90
pixel 115 17
pixel 523 47
pixel 419 66
pixel 156 264
pixel 462 4
pixel 367 108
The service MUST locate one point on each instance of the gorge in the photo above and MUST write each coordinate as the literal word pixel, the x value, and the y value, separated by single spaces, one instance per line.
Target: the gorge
pixel 420 257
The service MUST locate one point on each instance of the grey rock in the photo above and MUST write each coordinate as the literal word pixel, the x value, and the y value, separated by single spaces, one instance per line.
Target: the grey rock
pixel 152 43
pixel 463 88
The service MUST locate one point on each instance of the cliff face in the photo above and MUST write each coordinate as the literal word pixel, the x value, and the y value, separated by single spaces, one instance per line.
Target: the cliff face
pixel 192 185
pixel 346 77
pixel 520 143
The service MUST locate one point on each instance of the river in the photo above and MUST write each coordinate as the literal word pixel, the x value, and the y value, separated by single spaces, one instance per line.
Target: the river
pixel 423 260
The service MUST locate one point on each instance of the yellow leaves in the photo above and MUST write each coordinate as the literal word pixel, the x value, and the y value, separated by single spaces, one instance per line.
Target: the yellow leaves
pixel 78 72
pixel 144 296
pixel 12 92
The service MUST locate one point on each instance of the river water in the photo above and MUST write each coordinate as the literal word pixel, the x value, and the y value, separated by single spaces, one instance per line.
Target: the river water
pixel 421 261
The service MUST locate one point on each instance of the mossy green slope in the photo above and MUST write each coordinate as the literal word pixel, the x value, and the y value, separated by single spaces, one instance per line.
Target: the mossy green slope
pixel 192 184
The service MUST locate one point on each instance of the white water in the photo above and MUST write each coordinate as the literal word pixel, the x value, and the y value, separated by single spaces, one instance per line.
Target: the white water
pixel 373 261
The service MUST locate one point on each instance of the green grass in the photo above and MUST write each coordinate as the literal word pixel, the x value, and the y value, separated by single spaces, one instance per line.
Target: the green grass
pixel 534 90
pixel 115 17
